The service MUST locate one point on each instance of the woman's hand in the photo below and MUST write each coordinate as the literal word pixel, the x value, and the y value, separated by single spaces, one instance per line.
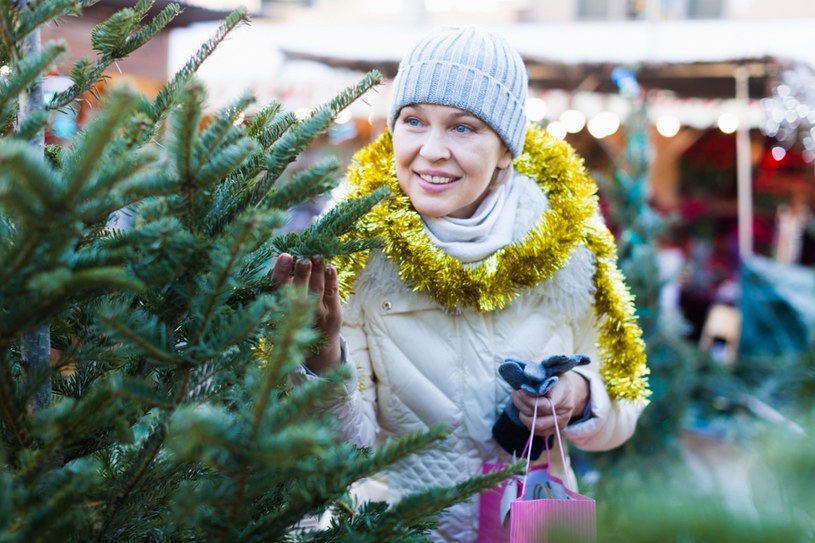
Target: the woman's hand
pixel 320 280
pixel 569 396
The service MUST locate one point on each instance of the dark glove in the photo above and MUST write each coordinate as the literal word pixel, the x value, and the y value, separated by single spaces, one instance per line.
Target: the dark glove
pixel 535 378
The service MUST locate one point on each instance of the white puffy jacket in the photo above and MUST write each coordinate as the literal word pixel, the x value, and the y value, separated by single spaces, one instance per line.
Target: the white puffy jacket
pixel 418 364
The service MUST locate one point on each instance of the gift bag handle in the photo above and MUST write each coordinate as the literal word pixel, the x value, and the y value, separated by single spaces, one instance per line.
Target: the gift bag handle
pixel 528 447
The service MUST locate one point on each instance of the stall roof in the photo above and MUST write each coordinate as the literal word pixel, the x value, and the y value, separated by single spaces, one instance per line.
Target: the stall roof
pixel 690 58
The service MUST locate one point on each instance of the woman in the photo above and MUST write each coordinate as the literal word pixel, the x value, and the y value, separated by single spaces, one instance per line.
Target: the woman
pixel 494 250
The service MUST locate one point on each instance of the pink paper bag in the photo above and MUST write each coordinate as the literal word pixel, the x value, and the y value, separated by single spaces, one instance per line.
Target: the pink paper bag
pixel 491 527
pixel 545 512
pixel 552 520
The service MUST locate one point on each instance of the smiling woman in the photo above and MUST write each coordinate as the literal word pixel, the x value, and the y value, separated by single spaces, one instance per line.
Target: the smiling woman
pixel 447 160
pixel 494 249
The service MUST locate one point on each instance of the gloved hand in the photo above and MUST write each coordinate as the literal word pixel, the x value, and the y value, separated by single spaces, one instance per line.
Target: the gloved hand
pixel 535 378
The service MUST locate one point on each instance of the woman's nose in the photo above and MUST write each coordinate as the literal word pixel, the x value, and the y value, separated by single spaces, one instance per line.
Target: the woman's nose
pixel 435 146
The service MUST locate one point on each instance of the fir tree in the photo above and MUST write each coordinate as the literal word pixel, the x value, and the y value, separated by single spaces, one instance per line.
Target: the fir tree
pixel 162 408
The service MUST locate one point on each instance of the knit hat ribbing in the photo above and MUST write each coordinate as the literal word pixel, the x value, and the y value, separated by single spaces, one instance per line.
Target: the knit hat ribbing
pixel 470 69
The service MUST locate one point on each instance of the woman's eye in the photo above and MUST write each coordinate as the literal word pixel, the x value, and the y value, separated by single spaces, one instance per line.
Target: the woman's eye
pixel 411 121
pixel 462 129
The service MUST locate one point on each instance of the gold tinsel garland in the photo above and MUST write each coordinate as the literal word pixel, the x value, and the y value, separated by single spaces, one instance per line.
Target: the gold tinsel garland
pixel 571 220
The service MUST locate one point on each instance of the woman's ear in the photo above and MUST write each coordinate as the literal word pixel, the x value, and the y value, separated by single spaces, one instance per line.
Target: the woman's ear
pixel 505 160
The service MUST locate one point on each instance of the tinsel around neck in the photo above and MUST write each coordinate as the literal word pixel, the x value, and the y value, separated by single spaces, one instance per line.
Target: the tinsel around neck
pixel 571 220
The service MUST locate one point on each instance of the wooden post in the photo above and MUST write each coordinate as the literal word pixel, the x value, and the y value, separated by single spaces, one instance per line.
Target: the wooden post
pixel 744 176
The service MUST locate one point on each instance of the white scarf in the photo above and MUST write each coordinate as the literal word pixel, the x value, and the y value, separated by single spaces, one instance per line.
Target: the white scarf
pixel 487 230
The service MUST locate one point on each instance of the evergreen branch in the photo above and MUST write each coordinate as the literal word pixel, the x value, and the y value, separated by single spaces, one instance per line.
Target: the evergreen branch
pixel 38 301
pixel 266 136
pixel 12 415
pixel 9 13
pixel 423 505
pixel 286 149
pixel 111 37
pixel 115 39
pixel 234 196
pixel 150 451
pixel 301 399
pixel 25 73
pixel 40 13
pixel 80 161
pixel 25 176
pixel 220 132
pixel 49 520
pixel 32 126
pixel 184 131
pixel 322 237
pixel 219 286
pixel 309 183
pixel 341 218
pixel 77 424
pixel 165 96
pixel 140 391
pixel 65 283
pixel 258 123
pixel 23 169
pixel 314 492
pixel 353 92
pixel 143 332
pixel 288 345
pixel 220 150
pixel 125 173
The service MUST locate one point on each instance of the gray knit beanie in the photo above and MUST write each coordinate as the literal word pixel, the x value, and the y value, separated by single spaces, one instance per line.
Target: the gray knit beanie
pixel 470 69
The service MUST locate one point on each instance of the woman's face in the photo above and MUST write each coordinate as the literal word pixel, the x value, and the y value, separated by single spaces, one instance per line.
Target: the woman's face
pixel 446 159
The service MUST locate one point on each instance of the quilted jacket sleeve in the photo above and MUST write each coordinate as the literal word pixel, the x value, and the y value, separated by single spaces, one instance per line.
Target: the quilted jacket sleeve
pixel 613 421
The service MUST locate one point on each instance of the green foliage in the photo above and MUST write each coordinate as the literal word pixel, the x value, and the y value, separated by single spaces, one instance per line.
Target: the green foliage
pixel 172 416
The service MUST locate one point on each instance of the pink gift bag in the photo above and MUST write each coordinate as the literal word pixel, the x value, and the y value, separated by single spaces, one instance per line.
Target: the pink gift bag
pixel 493 527
pixel 543 509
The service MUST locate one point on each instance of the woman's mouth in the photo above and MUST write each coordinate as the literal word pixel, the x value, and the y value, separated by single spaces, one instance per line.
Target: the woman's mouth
pixel 436 179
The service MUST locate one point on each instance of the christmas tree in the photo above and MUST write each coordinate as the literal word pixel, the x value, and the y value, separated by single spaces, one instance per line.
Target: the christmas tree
pixel 143 372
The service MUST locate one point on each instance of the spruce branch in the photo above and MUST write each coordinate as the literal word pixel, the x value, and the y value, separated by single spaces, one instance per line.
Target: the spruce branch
pixel 266 128
pixel 314 181
pixel 222 148
pixel 260 122
pixel 114 40
pixel 140 333
pixel 90 149
pixel 152 447
pixel 184 122
pixel 40 13
pixel 352 93
pixel 11 411
pixel 32 126
pixel 166 95
pixel 323 237
pixel 286 149
pixel 218 283
pixel 29 187
pixel 9 14
pixel 23 74
pixel 423 505
pixel 295 315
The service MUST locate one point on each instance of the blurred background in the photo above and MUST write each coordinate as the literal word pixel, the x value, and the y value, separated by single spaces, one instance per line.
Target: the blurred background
pixel 717 99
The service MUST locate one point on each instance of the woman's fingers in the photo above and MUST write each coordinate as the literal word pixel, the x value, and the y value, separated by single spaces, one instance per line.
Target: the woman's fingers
pixel 316 280
pixel 282 270
pixel 544 421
